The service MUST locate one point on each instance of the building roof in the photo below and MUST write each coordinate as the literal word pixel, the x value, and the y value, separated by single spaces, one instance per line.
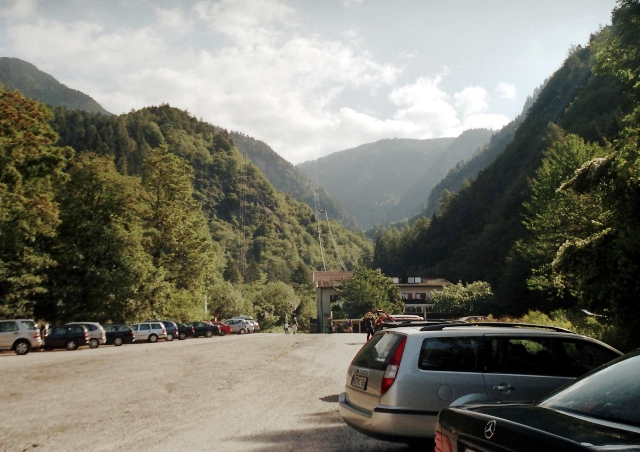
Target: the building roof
pixel 330 279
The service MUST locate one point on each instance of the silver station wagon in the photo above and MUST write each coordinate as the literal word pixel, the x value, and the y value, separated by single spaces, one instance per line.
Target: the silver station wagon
pixel 401 379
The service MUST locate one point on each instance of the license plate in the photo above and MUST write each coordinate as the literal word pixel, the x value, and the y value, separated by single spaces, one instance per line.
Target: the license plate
pixel 359 382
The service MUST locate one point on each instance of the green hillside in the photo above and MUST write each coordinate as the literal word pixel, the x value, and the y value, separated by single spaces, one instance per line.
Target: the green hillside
pixel 33 83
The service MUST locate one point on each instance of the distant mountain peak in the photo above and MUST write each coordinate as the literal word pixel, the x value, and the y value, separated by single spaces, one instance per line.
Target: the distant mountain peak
pixel 20 75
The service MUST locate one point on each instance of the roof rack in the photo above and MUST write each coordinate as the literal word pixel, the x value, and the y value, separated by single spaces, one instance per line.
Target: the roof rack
pixel 416 322
pixel 442 326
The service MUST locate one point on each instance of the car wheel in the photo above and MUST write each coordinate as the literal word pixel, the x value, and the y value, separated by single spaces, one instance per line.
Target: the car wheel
pixel 22 348
pixel 209 333
pixel 94 343
pixel 182 336
pixel 153 338
pixel 117 341
pixel 169 337
pixel 222 332
pixel 242 331
pixel 71 345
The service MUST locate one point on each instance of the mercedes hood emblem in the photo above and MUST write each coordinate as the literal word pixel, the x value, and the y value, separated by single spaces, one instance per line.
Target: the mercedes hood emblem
pixel 490 429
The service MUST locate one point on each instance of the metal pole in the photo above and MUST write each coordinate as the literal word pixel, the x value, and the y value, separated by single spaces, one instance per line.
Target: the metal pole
pixel 205 306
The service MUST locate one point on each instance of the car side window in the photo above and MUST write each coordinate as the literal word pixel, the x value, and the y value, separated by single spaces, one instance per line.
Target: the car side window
pixel 523 355
pixel 59 330
pixel 582 356
pixel 8 327
pixel 454 354
pixel 144 326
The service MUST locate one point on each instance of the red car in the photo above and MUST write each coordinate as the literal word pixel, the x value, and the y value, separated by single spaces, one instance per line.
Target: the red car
pixel 222 327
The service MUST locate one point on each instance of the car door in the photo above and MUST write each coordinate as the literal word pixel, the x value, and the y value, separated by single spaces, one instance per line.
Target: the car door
pixel 521 368
pixel 56 338
pixel 8 333
pixel 144 329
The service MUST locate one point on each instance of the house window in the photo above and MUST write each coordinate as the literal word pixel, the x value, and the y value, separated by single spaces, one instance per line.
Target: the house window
pixel 414 279
pixel 405 296
pixel 395 279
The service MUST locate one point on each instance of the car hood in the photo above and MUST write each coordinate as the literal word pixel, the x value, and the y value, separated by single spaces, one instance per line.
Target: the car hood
pixel 586 431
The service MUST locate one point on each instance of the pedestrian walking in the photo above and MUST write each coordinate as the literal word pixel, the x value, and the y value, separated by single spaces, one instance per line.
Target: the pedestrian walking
pixel 294 324
pixel 286 327
pixel 368 325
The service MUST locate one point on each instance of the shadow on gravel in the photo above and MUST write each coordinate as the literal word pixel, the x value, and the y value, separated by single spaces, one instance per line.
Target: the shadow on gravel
pixel 330 398
pixel 338 438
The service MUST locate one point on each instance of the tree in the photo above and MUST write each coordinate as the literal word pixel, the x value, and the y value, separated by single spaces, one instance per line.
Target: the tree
pixel 30 169
pixel 180 242
pixel 464 299
pixel 368 290
pixel 275 301
pixel 102 266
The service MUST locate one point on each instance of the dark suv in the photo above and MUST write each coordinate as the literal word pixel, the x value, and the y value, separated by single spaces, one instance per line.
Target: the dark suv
pixel 66 336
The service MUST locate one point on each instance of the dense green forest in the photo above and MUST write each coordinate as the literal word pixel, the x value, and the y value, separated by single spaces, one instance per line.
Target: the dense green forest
pixel 553 222
pixel 145 214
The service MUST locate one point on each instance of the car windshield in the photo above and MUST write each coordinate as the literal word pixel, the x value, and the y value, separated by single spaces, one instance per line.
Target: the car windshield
pixel 611 394
pixel 376 353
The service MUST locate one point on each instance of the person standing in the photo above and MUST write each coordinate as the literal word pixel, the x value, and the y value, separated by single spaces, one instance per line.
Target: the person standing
pixel 368 325
pixel 349 326
pixel 286 327
pixel 294 324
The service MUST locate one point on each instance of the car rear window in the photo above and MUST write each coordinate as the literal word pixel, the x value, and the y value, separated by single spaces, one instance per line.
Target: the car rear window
pixel 28 324
pixel 611 394
pixel 456 354
pixel 376 353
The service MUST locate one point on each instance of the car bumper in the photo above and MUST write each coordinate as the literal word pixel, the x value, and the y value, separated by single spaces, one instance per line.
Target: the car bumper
pixel 388 423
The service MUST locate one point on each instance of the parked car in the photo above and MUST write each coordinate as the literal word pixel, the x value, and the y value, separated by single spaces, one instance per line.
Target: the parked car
pixel 19 335
pixel 256 326
pixel 238 326
pixel 67 336
pixel 205 329
pixel 400 380
pixel 223 328
pixel 97 335
pixel 149 331
pixel 170 327
pixel 118 334
pixel 184 331
pixel 252 325
pixel 601 411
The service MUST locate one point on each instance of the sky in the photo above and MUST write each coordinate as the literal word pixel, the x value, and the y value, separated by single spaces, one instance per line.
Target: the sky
pixel 307 77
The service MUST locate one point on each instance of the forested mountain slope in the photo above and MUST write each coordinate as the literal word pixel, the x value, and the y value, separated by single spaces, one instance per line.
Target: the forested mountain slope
pixel 289 179
pixel 33 83
pixel 472 239
pixel 263 233
pixel 388 180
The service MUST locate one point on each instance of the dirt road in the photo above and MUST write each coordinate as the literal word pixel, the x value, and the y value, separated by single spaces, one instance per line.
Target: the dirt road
pixel 259 392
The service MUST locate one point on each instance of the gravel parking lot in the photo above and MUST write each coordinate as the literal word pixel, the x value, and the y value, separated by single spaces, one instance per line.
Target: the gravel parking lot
pixel 259 392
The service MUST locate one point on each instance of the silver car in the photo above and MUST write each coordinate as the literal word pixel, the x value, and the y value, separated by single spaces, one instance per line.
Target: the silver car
pixel 239 326
pixel 401 379
pixel 149 331
pixel 19 335
pixel 97 334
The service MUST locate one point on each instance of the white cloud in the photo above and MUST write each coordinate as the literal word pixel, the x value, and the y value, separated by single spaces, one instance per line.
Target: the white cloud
pixel 18 9
pixel 266 79
pixel 506 91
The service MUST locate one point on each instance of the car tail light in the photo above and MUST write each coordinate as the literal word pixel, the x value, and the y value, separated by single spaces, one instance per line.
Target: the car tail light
pixel 193 330
pixel 131 333
pixel 442 441
pixel 36 335
pixel 392 368
pixel 164 331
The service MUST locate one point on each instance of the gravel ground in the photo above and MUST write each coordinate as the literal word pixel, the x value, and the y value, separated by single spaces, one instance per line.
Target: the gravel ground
pixel 258 392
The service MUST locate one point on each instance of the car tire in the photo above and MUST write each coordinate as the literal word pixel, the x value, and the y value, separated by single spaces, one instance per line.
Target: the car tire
pixel 209 334
pixel 169 337
pixel 222 332
pixel 242 331
pixel 22 347
pixel 94 343
pixel 182 336
pixel 117 341
pixel 153 338
pixel 71 345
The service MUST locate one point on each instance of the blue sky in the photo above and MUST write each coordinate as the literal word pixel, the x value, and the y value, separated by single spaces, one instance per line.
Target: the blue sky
pixel 308 77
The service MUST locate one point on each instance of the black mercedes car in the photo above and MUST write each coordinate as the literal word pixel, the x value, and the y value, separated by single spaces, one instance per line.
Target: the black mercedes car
pixel 66 336
pixel 598 412
pixel 184 331
pixel 204 329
